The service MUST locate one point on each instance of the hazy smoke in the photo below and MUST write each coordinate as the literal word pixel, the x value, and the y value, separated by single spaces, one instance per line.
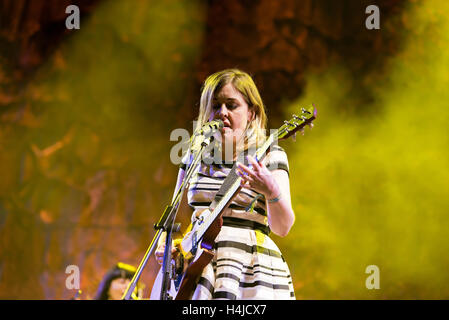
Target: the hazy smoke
pixel 372 187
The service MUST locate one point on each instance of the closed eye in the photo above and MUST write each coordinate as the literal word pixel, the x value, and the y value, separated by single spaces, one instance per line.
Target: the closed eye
pixel 228 106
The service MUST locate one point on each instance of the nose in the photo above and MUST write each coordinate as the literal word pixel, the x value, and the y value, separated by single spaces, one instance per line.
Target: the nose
pixel 222 112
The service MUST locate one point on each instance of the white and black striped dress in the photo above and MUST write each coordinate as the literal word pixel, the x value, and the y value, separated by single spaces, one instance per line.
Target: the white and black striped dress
pixel 247 263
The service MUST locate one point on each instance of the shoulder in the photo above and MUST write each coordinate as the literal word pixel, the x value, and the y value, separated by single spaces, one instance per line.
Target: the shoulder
pixel 276 148
pixel 186 160
pixel 276 153
pixel 276 158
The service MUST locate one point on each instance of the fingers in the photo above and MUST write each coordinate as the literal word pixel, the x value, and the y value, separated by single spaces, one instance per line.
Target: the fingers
pixel 244 173
pixel 244 169
pixel 250 174
pixel 256 164
pixel 253 176
pixel 246 181
pixel 159 253
pixel 159 257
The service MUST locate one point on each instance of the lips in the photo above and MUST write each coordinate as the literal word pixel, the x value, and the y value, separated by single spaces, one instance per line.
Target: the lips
pixel 226 128
pixel 226 125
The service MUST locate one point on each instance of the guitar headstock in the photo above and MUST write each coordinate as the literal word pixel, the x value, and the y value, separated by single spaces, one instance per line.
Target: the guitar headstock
pixel 296 123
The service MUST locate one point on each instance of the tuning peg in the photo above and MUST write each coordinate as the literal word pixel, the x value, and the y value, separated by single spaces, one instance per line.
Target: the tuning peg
pixel 294 137
pixel 311 125
pixel 302 131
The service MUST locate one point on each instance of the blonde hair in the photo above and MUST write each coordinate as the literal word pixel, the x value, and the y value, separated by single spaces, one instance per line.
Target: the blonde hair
pixel 255 133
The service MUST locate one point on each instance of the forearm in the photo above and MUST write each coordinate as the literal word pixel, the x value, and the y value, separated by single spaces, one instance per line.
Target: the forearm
pixel 280 216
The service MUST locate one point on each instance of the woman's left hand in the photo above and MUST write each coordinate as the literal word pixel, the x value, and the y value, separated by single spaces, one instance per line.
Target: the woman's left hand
pixel 258 178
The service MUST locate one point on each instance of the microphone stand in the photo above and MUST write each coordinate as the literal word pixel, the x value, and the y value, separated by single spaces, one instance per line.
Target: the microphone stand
pixel 166 224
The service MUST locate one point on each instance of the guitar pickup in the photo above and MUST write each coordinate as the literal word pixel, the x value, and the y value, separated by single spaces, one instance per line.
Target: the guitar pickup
pixel 195 244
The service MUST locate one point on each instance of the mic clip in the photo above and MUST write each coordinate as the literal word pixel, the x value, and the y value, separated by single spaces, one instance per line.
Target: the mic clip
pixel 209 128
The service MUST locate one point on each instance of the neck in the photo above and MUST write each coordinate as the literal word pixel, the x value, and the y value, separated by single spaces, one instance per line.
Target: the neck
pixel 228 150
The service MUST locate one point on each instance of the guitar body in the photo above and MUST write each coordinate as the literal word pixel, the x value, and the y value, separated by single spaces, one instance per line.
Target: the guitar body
pixel 202 258
pixel 192 274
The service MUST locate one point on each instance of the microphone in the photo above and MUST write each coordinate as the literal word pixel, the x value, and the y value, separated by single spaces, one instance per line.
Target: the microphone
pixel 210 128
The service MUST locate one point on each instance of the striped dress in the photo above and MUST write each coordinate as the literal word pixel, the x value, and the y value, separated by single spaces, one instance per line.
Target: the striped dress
pixel 247 263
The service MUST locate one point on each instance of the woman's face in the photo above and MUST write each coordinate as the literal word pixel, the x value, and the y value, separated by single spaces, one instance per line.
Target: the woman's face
pixel 230 106
pixel 117 288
